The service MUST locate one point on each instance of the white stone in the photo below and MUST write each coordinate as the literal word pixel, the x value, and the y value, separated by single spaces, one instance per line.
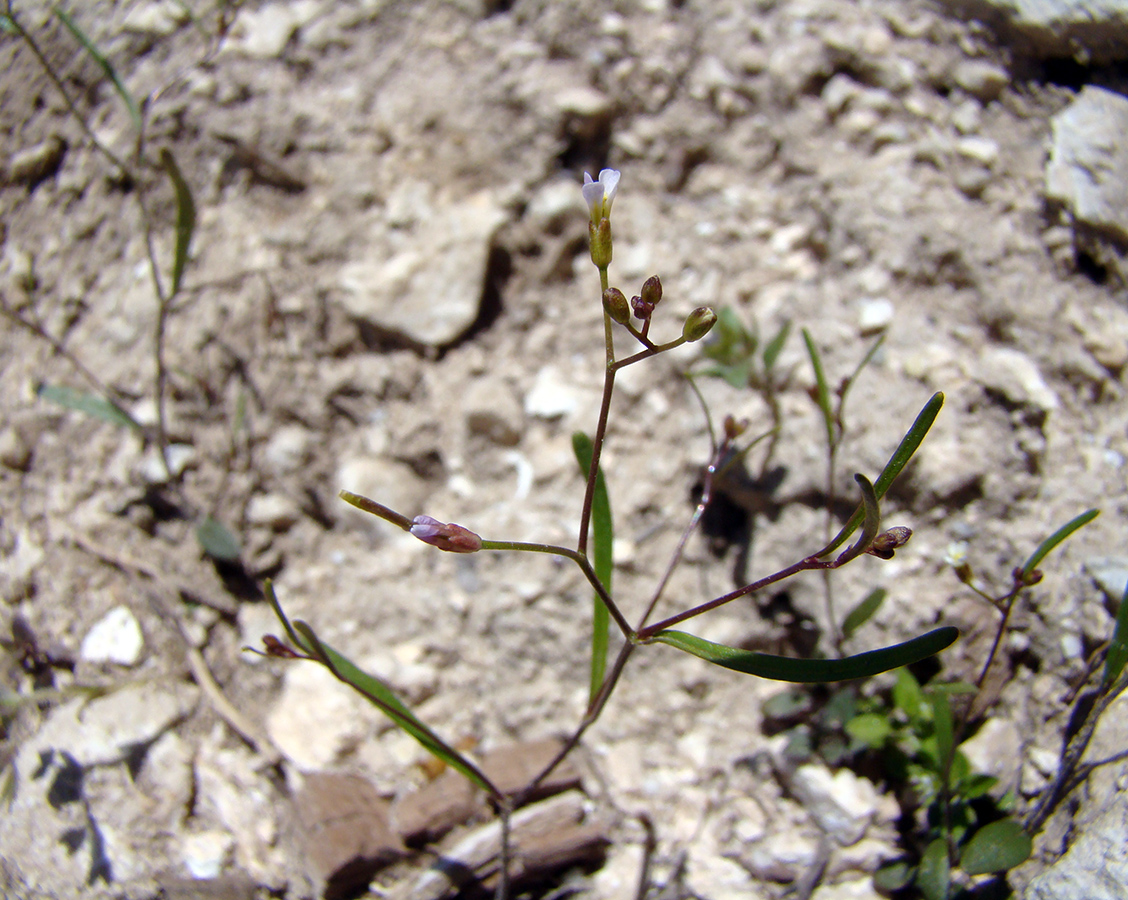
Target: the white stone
pixel 996 749
pixel 980 78
pixel 843 804
pixel 425 283
pixel 316 717
pixel 115 638
pixel 160 18
pixel 1088 167
pixel 152 467
pixel 874 314
pixel 287 449
pixel 1015 376
pixel 272 510
pixel 206 853
pixel 550 397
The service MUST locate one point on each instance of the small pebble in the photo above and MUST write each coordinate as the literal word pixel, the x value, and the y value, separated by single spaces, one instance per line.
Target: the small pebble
pixel 115 638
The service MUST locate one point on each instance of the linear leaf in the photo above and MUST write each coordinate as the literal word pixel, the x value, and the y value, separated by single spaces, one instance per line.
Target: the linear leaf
pixel 863 612
pixel 900 458
pixel 1056 538
pixel 384 698
pixel 91 404
pixel 185 218
pixel 104 64
pixel 1117 654
pixel 775 345
pixel 996 847
pixel 822 392
pixel 811 671
pixel 602 535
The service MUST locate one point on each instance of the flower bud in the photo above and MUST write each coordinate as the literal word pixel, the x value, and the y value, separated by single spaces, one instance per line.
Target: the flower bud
pixel 652 291
pixel 642 309
pixel 599 237
pixel 616 306
pixel 698 323
pixel 452 538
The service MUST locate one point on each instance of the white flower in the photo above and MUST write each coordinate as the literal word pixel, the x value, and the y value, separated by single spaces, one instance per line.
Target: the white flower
pixel 600 194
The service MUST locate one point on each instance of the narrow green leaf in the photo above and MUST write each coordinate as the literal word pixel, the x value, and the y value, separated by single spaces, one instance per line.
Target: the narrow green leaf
pixel 863 612
pixel 775 345
pixel 810 671
pixel 996 847
pixel 602 538
pixel 871 519
pixel 822 392
pixel 384 698
pixel 104 64
pixel 942 725
pixel 900 458
pixel 1117 654
pixel 934 875
pixel 91 404
pixel 1056 538
pixel 185 218
pixel 217 541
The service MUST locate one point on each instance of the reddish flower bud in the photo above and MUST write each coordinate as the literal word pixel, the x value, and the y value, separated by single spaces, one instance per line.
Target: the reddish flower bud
pixel 616 306
pixel 452 538
pixel 652 291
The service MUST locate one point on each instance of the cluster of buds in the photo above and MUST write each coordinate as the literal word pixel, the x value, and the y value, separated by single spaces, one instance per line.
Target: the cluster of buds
pixel 600 194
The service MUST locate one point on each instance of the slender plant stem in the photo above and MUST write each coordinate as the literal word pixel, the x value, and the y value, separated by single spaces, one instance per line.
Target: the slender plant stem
pixel 601 425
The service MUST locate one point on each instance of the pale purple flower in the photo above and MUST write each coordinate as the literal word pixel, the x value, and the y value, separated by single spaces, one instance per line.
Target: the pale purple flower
pixel 600 194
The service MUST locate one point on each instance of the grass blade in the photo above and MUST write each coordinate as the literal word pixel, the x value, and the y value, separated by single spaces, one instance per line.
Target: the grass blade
pixel 1117 654
pixel 91 404
pixel 381 696
pixel 602 537
pixel 1056 538
pixel 900 458
pixel 104 64
pixel 822 392
pixel 863 612
pixel 185 218
pixel 813 671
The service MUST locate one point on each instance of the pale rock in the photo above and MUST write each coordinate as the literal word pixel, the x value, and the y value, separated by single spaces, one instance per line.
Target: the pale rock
pixel 288 449
pixel 1094 30
pixel 843 804
pixel 1015 377
pixel 493 412
pixel 206 853
pixel 316 718
pixel 18 568
pixel 978 149
pixel 781 856
pixel 152 468
pixel 550 397
pixel 274 510
pixel 855 889
pixel 709 874
pixel 584 110
pixel 967 117
pixel 33 164
pixel 1095 866
pixel 108 729
pixel 1088 167
pixel 425 283
pixel 1111 575
pixel 160 18
pixel 556 204
pixel 996 749
pixel 264 32
pixel 115 638
pixel 875 314
pixel 15 449
pixel 982 79
pixel 838 93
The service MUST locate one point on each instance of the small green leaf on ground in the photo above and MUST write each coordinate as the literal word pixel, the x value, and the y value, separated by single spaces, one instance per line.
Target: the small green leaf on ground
pixel 217 541
pixel 996 847
pixel 91 404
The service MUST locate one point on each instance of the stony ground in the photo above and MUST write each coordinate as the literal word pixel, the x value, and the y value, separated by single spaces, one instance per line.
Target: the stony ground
pixel 389 292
